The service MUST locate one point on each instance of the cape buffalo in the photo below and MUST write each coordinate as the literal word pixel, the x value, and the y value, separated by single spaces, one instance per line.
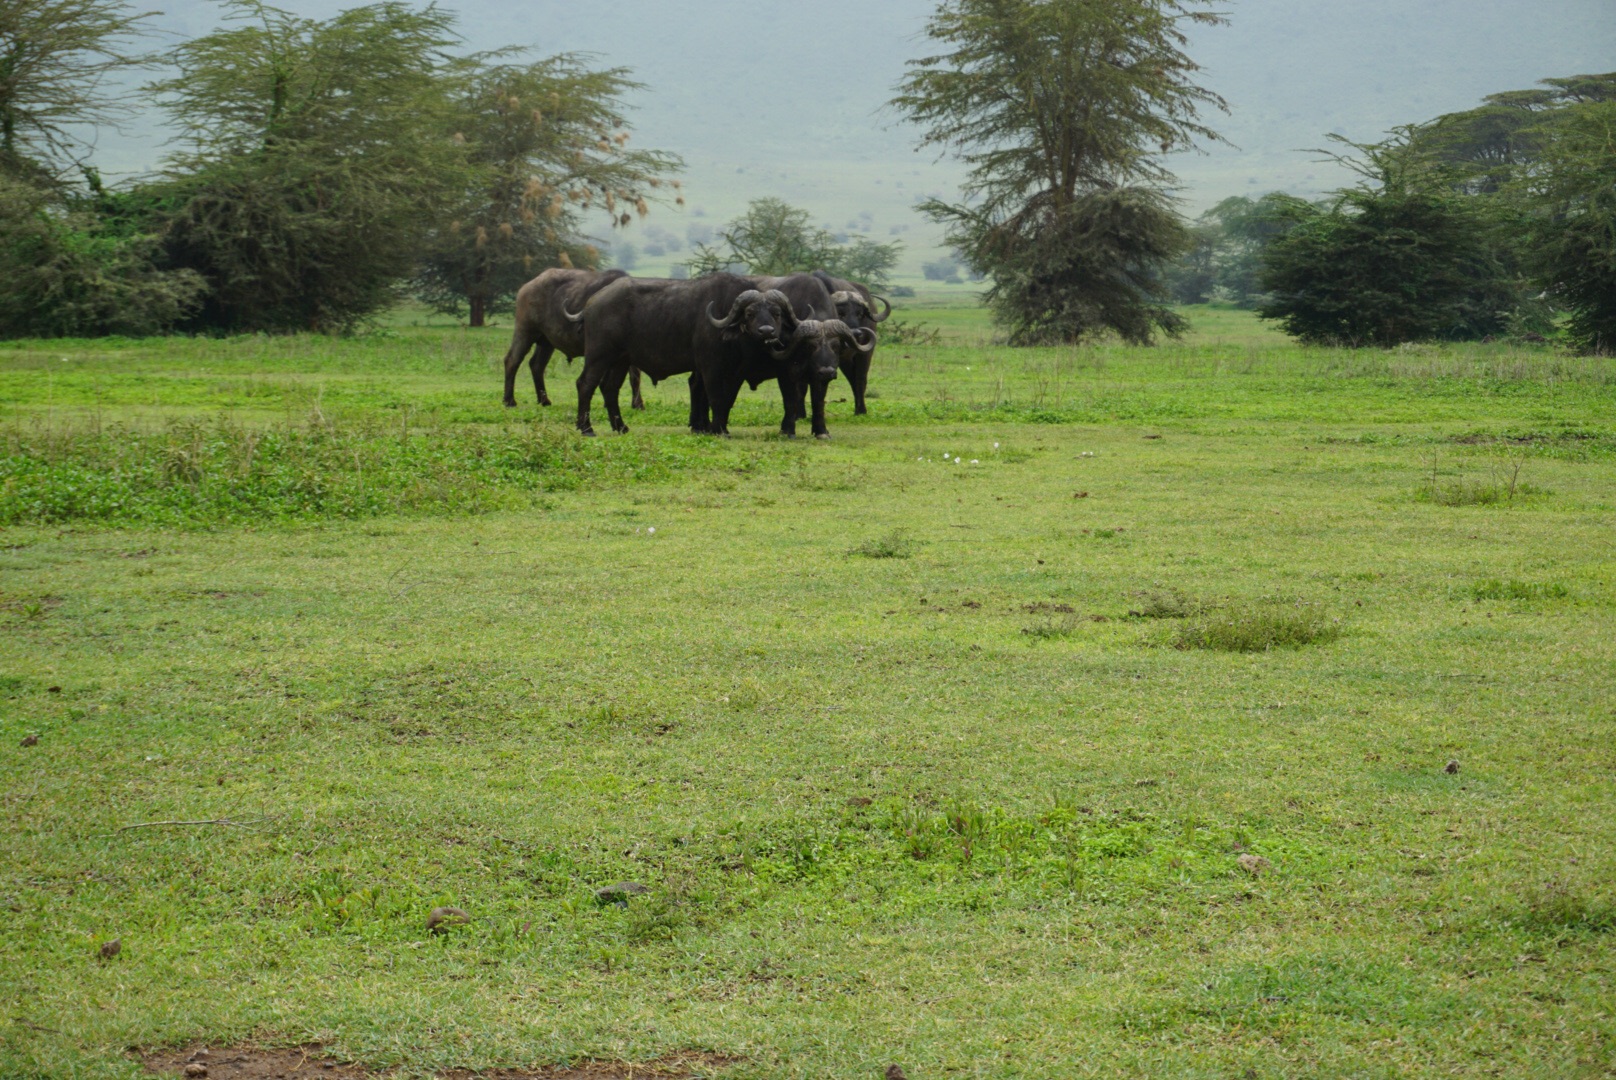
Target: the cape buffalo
pixel 855 306
pixel 542 325
pixel 720 328
pixel 803 359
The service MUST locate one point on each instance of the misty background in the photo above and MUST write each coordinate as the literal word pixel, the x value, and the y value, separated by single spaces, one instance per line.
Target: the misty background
pixel 788 100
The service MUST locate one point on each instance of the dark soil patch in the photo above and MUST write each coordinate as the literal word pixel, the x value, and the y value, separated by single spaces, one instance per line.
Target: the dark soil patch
pixel 313 1063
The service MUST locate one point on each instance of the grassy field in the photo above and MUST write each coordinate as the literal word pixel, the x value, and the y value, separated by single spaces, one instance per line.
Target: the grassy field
pixel 1120 747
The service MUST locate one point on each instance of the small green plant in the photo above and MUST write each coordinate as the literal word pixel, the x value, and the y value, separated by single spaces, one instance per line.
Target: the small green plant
pixel 899 332
pixel 1054 627
pixel 1260 627
pixel 1501 486
pixel 894 545
pixel 1494 589
pixel 1558 909
pixel 1164 604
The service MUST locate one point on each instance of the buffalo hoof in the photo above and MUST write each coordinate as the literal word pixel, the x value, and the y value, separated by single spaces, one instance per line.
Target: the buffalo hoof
pixel 637 405
pixel 511 404
pixel 822 435
pixel 544 401
pixel 588 433
pixel 861 411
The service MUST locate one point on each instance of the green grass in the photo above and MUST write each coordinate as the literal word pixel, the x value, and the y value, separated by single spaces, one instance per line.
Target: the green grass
pixel 968 810
pixel 1258 627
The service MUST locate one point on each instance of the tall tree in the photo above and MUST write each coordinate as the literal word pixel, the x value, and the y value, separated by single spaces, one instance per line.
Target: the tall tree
pixel 1542 165
pixel 1572 191
pixel 547 142
pixel 55 57
pixel 316 150
pixel 1063 110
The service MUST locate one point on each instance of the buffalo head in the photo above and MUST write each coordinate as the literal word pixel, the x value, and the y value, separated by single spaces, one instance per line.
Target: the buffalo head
pixel 855 311
pixel 765 316
pixel 817 347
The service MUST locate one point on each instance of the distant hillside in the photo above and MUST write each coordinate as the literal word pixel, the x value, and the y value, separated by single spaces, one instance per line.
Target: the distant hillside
pixel 788 99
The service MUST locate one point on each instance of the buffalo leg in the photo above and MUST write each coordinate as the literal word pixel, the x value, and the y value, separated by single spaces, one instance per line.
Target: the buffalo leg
pixel 700 421
pixel 721 395
pixel 540 361
pixel 820 430
pixel 587 381
pixel 636 402
pixel 520 344
pixel 858 376
pixel 610 387
pixel 791 395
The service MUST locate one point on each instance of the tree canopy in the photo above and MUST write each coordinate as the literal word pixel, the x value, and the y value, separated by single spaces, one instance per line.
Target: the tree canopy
pixel 1063 110
pixel 55 56
pixel 315 151
pixel 546 142
pixel 776 238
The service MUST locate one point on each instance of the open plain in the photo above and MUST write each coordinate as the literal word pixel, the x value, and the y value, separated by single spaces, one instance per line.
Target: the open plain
pixel 1222 709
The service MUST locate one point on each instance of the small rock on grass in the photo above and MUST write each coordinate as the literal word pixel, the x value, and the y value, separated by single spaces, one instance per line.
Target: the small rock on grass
pixel 895 1072
pixel 1452 768
pixel 620 892
pixel 30 740
pixel 111 948
pixel 1255 865
pixel 444 917
pixel 196 1068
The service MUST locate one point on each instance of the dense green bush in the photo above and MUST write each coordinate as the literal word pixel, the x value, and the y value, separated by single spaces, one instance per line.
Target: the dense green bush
pixel 65 273
pixel 1402 258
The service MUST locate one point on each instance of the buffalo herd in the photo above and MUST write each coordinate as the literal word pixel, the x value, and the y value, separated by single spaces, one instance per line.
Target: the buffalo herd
pixel 722 330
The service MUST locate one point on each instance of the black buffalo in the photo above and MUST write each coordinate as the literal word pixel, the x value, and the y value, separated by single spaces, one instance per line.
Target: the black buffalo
pixel 721 329
pixel 854 304
pixel 543 327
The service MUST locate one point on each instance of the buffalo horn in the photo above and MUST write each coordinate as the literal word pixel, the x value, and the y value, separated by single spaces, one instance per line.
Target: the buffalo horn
pixel 734 312
pixel 864 338
pixel 885 315
pixel 578 318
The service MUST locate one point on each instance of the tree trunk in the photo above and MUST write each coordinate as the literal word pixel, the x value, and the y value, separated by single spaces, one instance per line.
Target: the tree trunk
pixel 478 306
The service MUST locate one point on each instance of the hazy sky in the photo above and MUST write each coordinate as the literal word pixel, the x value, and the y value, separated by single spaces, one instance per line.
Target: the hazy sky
pixel 764 97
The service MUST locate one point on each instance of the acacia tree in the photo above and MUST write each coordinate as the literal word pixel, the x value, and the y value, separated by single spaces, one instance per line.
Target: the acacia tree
pixel 316 150
pixel 547 142
pixel 1063 109
pixel 773 237
pixel 55 56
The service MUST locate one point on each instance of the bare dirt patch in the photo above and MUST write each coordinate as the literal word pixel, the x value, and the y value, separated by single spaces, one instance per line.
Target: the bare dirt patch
pixel 313 1063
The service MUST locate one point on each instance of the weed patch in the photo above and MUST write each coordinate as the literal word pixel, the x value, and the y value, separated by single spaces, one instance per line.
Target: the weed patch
pixel 1558 909
pixel 1494 589
pixel 1159 604
pixel 894 545
pixel 1502 486
pixel 1054 627
pixel 1257 628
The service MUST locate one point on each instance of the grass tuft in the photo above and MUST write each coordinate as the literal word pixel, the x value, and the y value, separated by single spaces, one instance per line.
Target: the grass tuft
pixel 1164 604
pixel 1054 628
pixel 1557 909
pixel 1494 589
pixel 894 545
pixel 1257 627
